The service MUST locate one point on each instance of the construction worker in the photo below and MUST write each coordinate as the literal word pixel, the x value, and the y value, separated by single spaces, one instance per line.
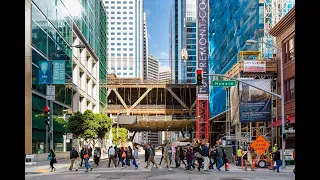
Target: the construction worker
pixel 274 148
pixel 239 155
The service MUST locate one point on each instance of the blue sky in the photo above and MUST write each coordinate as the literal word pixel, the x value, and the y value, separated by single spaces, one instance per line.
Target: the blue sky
pixel 158 14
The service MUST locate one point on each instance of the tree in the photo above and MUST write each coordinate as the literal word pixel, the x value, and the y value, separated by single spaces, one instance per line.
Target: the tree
pixel 104 125
pixel 75 124
pixel 122 135
pixel 56 119
pixel 90 127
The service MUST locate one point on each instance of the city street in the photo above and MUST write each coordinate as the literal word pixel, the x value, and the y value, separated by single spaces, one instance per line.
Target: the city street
pixel 102 172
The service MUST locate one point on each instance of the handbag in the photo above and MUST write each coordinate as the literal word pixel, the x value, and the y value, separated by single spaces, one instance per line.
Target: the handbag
pixel 85 156
pixel 55 160
pixel 123 155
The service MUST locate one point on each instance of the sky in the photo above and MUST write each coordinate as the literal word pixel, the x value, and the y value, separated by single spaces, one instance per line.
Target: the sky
pixel 158 14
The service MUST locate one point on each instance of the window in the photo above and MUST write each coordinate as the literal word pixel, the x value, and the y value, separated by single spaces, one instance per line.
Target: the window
pixel 107 2
pixel 124 44
pixel 118 49
pixel 118 73
pixel 118 12
pixel 112 7
pixel 131 74
pixel 118 17
pixel 119 23
pixel 131 68
pixel 124 18
pixel 112 28
pixel 124 68
pixel 124 49
pixel 125 39
pixel 130 55
pixel 130 7
pixel 118 44
pixel 112 49
pixel 119 7
pixel 289 89
pixel 124 12
pixel 131 28
pixel 130 2
pixel 112 22
pixel 112 17
pixel 112 44
pixel 124 28
pixel 131 33
pixel 124 33
pixel 130 17
pixel 119 39
pixel 112 33
pixel 124 23
pixel 124 7
pixel 288 50
pixel 124 2
pixel 118 28
pixel 112 2
pixel 118 2
pixel 119 55
pixel 119 68
pixel 130 49
pixel 118 33
pixel 112 68
pixel 131 23
pixel 125 55
pixel 130 12
pixel 124 73
pixel 112 54
pixel 131 39
pixel 112 12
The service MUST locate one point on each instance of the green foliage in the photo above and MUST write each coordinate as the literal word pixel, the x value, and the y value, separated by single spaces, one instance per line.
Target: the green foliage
pixel 122 135
pixel 90 125
pixel 75 124
pixel 56 119
pixel 104 125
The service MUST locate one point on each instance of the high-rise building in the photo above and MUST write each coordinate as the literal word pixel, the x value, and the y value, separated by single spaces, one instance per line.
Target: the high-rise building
pixel 182 30
pixel 56 27
pixel 164 75
pixel 241 21
pixel 125 37
pixel 145 46
pixel 152 68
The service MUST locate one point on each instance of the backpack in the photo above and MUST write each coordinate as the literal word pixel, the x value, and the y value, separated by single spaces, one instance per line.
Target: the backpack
pixel 245 157
pixel 169 149
pixel 129 153
pixel 123 155
pixel 95 152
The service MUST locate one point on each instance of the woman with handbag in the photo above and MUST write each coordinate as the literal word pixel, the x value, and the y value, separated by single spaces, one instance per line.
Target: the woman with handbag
pixel 52 158
pixel 86 155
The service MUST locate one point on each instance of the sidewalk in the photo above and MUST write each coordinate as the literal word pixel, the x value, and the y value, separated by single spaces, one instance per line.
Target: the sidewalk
pixel 233 167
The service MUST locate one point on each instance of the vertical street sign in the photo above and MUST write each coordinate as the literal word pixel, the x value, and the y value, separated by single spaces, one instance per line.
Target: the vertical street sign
pixel 58 76
pixel 44 72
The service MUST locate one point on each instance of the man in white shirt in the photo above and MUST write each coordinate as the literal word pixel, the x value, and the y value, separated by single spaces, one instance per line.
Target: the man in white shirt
pixel 112 156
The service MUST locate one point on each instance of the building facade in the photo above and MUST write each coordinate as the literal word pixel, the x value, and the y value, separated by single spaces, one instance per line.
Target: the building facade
pixel 145 46
pixel 164 75
pixel 284 31
pixel 152 69
pixel 125 37
pixel 230 25
pixel 57 26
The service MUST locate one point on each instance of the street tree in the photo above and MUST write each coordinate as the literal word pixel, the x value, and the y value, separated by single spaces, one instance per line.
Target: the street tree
pixel 90 128
pixel 75 124
pixel 104 125
pixel 122 135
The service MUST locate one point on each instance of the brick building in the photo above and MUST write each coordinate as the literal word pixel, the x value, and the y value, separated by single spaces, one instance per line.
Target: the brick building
pixel 284 31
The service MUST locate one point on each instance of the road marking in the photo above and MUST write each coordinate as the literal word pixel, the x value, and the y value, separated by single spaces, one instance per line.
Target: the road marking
pixel 42 170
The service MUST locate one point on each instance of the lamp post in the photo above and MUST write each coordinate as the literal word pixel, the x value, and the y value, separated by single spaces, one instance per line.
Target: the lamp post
pixel 51 84
pixel 282 97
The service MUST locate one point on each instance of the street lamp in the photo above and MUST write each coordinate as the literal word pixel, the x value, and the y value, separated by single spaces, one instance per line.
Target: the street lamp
pixel 51 84
pixel 251 41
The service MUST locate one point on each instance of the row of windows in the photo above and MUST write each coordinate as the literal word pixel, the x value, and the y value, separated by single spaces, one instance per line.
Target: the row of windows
pixel 119 12
pixel 119 49
pixel 119 28
pixel 130 39
pixel 119 7
pixel 119 33
pixel 113 17
pixel 119 54
pixel 119 23
pixel 130 74
pixel 124 68
pixel 119 44
pixel 118 2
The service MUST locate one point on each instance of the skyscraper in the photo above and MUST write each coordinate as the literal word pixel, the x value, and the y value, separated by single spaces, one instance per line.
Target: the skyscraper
pixel 145 46
pixel 152 68
pixel 182 30
pixel 125 37
pixel 164 75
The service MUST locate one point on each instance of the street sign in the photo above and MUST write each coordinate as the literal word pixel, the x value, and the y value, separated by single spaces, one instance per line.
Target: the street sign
pixel 29 156
pixel 50 98
pixel 223 83
pixel 203 97
pixel 50 90
pixel 290 131
pixel 230 137
pixel 260 145
pixel 69 135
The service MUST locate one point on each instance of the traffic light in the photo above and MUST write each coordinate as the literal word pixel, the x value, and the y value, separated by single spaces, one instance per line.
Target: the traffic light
pixel 47 116
pixel 287 122
pixel 284 136
pixel 199 76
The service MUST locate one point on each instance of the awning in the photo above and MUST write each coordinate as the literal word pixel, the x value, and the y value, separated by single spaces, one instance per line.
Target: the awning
pixel 278 122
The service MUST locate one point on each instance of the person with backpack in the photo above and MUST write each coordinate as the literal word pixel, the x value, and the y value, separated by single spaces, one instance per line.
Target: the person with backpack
pixel 189 157
pixel 129 155
pixel 73 157
pixel 151 152
pixel 81 156
pixel 96 156
pixel 52 158
pixel 86 155
pixel 122 156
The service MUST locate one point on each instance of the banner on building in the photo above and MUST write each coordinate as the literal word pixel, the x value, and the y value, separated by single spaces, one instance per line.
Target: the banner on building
pixel 234 102
pixel 255 104
pixel 202 41
pixel 58 76
pixel 254 66
pixel 44 73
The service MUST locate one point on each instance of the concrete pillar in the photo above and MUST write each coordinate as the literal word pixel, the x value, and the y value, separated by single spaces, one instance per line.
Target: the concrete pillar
pixel 28 77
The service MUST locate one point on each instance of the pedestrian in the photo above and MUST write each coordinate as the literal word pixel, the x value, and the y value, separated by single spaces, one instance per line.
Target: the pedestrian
pixel 146 154
pixel 129 155
pixel 73 157
pixel 198 156
pixel 239 155
pixel 165 155
pixel 119 154
pixel 135 157
pixel 96 156
pixel 112 156
pixel 170 153
pixel 151 152
pixel 248 158
pixel 177 157
pixel 205 156
pixel 86 155
pixel 189 157
pixel 225 160
pixel 81 155
pixel 123 156
pixel 52 158
pixel 182 157
pixel 162 151
pixel 219 157
pixel 213 157
pixel 277 159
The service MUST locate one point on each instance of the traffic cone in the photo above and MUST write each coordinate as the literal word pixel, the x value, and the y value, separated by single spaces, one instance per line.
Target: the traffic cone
pixel 227 166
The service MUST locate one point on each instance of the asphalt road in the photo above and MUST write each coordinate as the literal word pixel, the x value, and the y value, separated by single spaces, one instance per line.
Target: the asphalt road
pixel 129 173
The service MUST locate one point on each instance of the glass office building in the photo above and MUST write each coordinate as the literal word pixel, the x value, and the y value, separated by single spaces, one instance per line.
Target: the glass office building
pixel 52 23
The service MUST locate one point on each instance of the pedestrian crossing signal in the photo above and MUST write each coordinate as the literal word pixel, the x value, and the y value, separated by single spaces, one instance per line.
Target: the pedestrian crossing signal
pixel 46 116
pixel 199 76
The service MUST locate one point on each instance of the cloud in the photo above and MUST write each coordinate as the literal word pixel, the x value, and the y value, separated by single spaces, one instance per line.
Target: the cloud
pixel 149 36
pixel 148 12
